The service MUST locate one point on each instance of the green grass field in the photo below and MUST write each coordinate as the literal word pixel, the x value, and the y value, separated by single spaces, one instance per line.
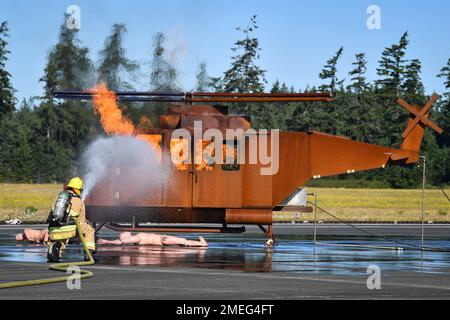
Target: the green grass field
pixel 32 203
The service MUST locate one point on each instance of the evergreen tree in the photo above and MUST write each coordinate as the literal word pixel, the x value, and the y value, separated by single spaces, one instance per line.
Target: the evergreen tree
pixel 412 84
pixel 163 76
pixel 388 88
pixel 357 75
pixel 244 75
pixel 309 116
pixel 40 143
pixel 360 110
pixel 61 134
pixel 329 73
pixel 276 87
pixel 275 115
pixel 443 117
pixel 68 65
pixel 17 143
pixel 203 80
pixel 319 115
pixel 279 87
pixel 114 65
pixel 361 119
pixel 64 128
pixel 217 84
pixel 445 74
pixel 7 100
pixel 392 66
pixel 50 80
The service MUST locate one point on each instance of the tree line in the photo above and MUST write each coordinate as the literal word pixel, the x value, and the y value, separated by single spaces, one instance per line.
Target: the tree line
pixel 41 138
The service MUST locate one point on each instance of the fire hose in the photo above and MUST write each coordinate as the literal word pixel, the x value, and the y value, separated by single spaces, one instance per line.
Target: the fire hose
pixel 62 267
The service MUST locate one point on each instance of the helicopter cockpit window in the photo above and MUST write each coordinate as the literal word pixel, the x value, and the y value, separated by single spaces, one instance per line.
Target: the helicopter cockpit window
pixel 230 156
pixel 204 159
pixel 179 153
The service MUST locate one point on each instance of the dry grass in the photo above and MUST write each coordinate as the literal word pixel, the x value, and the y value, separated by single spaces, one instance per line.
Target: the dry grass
pixel 376 205
pixel 28 202
pixel 365 205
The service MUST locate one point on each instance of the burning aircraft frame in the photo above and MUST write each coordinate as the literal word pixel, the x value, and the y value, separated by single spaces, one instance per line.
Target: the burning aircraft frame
pixel 225 195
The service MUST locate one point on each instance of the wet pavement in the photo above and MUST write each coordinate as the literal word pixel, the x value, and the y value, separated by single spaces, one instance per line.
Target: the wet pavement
pixel 246 252
pixel 235 255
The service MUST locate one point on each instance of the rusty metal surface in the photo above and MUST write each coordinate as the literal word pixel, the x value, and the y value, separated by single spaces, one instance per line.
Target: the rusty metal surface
pixel 419 115
pixel 260 99
pixel 244 196
pixel 169 121
pixel 332 155
pixel 249 216
pixel 148 214
pixel 226 193
pixel 175 229
pixel 220 122
pixel 262 94
pixel 418 120
pixel 294 165
pixel 187 108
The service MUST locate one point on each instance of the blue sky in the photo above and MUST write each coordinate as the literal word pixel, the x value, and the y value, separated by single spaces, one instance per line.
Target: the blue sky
pixel 296 36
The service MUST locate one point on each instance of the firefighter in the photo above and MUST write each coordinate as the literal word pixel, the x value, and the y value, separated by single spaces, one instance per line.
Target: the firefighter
pixel 67 209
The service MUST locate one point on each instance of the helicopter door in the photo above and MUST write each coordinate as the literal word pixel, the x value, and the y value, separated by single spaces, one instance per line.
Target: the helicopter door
pixel 217 185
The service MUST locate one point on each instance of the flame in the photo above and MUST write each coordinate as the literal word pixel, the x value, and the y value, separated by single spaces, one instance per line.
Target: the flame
pixel 114 122
pixel 111 117
pixel 177 147
pixel 155 142
pixel 207 148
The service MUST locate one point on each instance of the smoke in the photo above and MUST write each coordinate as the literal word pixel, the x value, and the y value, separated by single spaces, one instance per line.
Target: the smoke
pixel 176 45
pixel 105 154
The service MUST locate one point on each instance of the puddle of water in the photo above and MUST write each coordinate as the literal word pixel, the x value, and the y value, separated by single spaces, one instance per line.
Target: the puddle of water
pixel 246 252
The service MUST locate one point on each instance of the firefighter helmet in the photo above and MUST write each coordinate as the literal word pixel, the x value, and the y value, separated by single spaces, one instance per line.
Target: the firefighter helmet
pixel 76 184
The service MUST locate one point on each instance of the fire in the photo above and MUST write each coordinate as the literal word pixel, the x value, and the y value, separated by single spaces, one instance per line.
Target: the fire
pixel 207 148
pixel 155 142
pixel 178 154
pixel 177 148
pixel 114 122
pixel 111 116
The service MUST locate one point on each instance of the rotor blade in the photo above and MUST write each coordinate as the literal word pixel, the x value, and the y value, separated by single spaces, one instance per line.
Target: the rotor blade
pixel 209 97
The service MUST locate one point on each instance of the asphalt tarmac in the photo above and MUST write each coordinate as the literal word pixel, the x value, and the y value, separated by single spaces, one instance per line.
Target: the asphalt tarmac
pixel 238 266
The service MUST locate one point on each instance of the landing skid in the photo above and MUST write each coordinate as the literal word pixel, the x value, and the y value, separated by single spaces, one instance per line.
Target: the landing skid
pixel 135 227
pixel 171 228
